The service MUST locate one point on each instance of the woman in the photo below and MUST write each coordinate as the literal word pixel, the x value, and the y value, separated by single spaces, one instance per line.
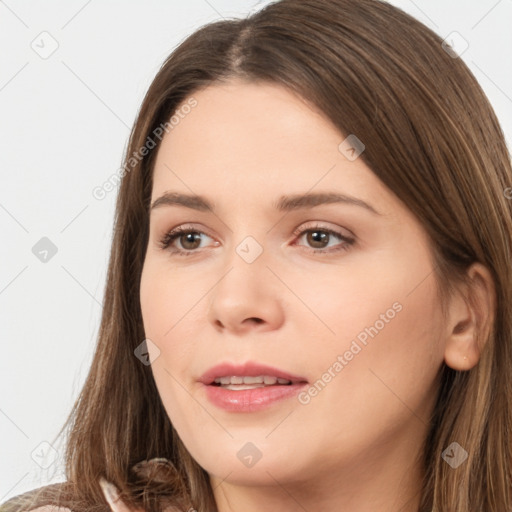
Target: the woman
pixel 309 300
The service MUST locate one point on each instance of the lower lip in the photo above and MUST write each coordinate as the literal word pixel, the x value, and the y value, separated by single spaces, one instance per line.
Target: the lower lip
pixel 250 400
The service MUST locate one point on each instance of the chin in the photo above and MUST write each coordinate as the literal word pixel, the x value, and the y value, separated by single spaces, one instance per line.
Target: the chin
pixel 243 462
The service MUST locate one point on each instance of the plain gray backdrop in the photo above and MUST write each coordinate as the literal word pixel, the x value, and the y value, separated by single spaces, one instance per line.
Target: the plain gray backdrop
pixel 72 77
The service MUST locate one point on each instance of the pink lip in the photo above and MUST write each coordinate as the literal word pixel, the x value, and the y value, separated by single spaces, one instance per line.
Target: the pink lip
pixel 249 400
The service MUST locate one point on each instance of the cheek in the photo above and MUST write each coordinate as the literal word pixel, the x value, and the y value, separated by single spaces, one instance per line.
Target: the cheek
pixel 168 299
pixel 169 313
pixel 387 349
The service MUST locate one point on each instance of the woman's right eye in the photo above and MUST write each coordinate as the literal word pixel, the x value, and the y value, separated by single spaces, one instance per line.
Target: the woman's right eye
pixel 187 237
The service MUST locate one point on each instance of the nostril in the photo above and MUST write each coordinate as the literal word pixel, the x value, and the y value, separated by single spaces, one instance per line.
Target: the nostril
pixel 256 320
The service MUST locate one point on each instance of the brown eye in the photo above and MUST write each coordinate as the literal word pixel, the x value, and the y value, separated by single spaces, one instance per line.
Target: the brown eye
pixel 318 239
pixel 190 241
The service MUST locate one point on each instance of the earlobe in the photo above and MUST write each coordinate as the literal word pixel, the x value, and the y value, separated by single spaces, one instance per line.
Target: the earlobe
pixel 470 318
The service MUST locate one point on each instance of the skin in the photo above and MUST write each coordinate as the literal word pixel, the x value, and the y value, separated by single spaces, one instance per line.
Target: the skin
pixel 353 446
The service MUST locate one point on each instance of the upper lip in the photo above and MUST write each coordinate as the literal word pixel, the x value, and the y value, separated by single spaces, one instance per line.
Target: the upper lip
pixel 248 369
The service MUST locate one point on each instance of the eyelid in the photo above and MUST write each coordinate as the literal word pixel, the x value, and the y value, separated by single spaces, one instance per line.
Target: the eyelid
pixel 345 241
pixel 320 225
pixel 176 231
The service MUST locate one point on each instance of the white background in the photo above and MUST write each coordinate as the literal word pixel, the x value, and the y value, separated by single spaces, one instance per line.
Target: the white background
pixel 64 124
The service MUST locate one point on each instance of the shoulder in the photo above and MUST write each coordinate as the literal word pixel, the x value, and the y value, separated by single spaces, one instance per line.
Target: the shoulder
pixel 59 497
pixel 34 499
pixel 49 498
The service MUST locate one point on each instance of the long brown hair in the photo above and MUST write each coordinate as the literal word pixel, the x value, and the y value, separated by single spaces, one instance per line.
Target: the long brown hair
pixel 430 135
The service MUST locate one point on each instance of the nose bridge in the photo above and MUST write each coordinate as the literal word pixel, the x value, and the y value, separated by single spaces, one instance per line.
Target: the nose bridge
pixel 246 265
pixel 250 250
pixel 247 239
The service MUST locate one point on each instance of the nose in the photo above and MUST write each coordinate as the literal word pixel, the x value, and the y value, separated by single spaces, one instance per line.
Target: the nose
pixel 247 298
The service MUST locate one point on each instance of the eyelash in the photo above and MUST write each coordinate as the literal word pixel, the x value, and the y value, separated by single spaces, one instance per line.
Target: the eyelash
pixel 172 235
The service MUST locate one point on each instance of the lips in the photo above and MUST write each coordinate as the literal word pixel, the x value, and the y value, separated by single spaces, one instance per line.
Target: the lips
pixel 249 387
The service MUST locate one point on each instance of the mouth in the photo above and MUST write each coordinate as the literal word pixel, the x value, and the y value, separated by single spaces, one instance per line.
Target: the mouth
pixel 239 382
pixel 249 387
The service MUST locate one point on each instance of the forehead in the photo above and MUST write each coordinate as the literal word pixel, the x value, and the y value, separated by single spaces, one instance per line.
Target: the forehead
pixel 229 120
pixel 257 141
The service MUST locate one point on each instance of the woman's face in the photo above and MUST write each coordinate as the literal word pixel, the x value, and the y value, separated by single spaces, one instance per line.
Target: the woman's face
pixel 337 297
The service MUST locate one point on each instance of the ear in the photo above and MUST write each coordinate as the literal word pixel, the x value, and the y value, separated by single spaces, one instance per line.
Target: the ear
pixel 470 318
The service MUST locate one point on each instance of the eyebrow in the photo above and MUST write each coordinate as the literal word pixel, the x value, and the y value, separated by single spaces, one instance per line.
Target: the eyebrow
pixel 284 204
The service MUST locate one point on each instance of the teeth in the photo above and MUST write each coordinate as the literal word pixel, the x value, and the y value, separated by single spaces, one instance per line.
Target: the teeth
pixel 253 380
pixel 240 387
pixel 246 382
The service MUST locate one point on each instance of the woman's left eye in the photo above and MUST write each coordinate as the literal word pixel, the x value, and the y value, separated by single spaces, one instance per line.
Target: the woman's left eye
pixel 319 237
